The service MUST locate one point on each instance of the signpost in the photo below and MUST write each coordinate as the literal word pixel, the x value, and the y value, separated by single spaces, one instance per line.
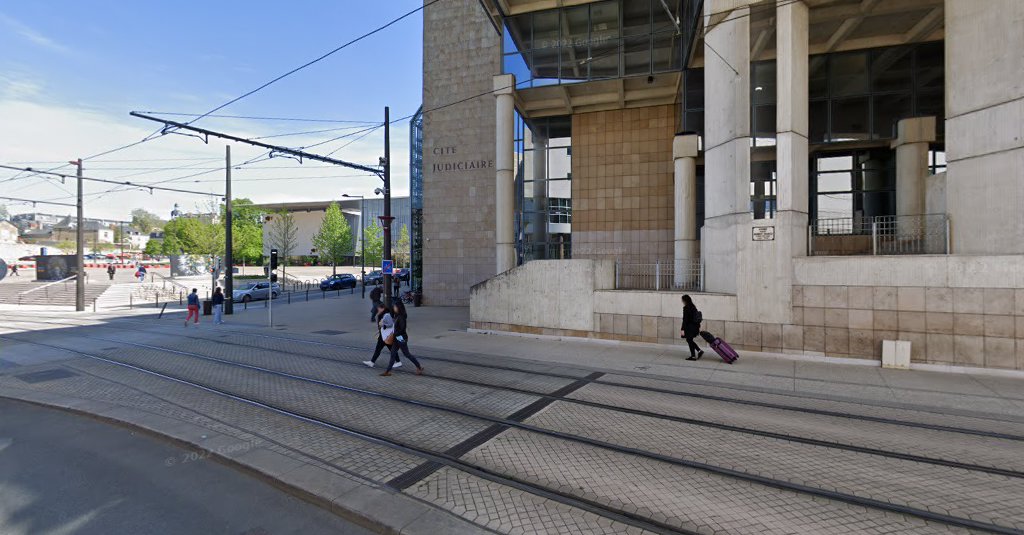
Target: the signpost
pixel 387 267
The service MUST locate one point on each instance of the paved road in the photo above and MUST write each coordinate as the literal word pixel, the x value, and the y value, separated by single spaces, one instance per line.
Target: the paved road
pixel 65 474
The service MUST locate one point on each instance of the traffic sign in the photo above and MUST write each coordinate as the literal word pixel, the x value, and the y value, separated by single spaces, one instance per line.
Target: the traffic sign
pixel 387 267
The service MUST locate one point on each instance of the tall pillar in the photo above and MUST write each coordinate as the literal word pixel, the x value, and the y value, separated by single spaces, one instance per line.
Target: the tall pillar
pixel 792 108
pixel 726 139
pixel 911 144
pixel 684 158
pixel 539 192
pixel 504 163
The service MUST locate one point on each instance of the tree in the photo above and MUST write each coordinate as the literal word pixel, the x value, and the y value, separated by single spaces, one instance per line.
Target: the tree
pixel 246 231
pixel 283 236
pixel 373 244
pixel 334 239
pixel 153 248
pixel 146 221
pixel 403 247
pixel 68 246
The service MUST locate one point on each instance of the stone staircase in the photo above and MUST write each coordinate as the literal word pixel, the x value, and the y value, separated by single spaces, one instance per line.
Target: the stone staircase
pixel 60 294
pixel 134 294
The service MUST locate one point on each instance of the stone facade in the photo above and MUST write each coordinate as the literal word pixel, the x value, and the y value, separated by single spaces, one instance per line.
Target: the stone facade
pixel 622 184
pixel 461 54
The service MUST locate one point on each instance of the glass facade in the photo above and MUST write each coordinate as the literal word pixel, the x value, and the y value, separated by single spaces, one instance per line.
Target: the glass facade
pixel 601 40
pixel 853 184
pixel 416 196
pixel 543 151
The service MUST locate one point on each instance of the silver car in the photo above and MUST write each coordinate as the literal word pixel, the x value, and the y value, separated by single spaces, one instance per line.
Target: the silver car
pixel 254 291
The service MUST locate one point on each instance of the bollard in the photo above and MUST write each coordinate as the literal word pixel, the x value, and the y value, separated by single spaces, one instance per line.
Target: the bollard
pixel 130 300
pixel 156 299
pixel 245 305
pixel 179 297
pixel 94 305
pixel 307 294
pixel 289 298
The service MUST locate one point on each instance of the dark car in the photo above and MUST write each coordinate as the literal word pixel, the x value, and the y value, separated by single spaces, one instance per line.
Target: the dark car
pixel 373 277
pixel 338 282
pixel 401 274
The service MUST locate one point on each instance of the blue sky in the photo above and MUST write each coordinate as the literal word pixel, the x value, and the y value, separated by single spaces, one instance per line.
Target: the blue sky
pixel 71 71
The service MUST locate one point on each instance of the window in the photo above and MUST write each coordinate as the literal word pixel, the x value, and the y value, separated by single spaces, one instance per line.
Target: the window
pixel 560 210
pixel 850 185
pixel 763 192
pixel 936 160
pixel 543 188
pixel 595 41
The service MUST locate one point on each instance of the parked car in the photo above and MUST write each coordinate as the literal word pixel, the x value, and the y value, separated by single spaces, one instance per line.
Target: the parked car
pixel 338 282
pixel 402 274
pixel 254 291
pixel 373 277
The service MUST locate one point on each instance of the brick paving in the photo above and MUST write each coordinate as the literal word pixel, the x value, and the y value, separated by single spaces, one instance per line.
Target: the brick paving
pixel 685 498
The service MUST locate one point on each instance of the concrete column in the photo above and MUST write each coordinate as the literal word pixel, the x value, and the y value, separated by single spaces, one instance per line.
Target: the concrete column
pixel 539 192
pixel 911 144
pixel 792 107
pixel 726 139
pixel 504 163
pixel 684 157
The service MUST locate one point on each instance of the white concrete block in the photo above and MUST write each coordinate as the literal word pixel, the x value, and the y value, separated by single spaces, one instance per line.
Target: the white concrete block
pixel 896 354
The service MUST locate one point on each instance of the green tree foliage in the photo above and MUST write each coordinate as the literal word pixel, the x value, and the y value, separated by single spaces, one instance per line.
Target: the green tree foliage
pixel 246 232
pixel 146 221
pixel 283 235
pixel 373 245
pixel 333 241
pixel 193 236
pixel 154 248
pixel 402 248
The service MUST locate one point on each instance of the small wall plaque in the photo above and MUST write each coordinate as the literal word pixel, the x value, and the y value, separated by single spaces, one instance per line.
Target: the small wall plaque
pixel 762 234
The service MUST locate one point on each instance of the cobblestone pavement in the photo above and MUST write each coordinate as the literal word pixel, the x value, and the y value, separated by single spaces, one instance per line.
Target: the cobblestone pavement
pixel 647 477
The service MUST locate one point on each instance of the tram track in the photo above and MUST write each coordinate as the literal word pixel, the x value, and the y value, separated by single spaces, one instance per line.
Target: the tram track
pixel 655 415
pixel 726 472
pixel 645 388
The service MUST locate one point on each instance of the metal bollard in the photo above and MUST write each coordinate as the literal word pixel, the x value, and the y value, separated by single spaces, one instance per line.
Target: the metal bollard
pixel 156 299
pixel 130 301
pixel 289 298
pixel 307 294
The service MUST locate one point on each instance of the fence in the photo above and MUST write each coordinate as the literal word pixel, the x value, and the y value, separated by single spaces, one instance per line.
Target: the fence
pixel 660 275
pixel 879 235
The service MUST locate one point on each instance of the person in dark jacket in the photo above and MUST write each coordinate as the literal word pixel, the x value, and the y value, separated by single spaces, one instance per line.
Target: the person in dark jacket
pixel 690 328
pixel 111 271
pixel 384 322
pixel 401 339
pixel 375 299
pixel 218 306
pixel 193 306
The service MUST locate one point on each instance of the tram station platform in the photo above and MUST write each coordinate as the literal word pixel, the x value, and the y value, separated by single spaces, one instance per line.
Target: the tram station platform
pixel 508 434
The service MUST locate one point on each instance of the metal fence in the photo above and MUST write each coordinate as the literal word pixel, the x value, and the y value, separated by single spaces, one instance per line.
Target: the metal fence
pixel 660 275
pixel 879 235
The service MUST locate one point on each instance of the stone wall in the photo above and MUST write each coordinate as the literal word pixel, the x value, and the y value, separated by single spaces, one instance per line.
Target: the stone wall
pixel 461 55
pixel 622 184
pixel 963 311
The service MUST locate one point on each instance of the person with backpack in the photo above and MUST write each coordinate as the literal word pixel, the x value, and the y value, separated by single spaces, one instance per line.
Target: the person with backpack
pixel 401 341
pixel 111 271
pixel 690 328
pixel 193 306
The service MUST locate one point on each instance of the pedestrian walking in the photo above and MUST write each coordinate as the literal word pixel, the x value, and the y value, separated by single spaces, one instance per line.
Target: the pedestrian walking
pixel 385 326
pixel 218 306
pixel 401 341
pixel 193 306
pixel 14 270
pixel 375 299
pixel 397 286
pixel 111 270
pixel 690 328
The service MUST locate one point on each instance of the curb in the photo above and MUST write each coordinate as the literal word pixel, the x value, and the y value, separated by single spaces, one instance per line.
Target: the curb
pixel 373 507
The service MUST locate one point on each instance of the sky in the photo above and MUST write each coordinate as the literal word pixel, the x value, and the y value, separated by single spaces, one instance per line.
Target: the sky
pixel 71 71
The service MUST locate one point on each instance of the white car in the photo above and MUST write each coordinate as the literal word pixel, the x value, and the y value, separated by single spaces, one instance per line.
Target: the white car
pixel 254 291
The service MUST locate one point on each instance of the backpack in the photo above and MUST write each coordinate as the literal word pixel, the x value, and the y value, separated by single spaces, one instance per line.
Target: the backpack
pixel 698 317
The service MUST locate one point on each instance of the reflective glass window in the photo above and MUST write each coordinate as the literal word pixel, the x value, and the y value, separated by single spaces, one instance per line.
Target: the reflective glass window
pixel 849 74
pixel 892 69
pixel 850 119
pixel 888 110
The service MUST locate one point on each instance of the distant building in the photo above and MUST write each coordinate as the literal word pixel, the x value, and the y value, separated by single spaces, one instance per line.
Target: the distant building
pixel 8 232
pixel 94 232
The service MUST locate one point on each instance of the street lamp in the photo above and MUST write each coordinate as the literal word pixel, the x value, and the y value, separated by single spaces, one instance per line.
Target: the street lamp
pixel 362 237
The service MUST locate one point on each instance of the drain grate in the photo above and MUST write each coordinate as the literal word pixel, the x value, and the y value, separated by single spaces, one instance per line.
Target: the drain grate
pixel 46 375
pixel 330 331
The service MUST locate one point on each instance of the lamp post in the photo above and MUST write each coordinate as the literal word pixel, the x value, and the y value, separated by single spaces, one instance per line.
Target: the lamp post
pixel 362 237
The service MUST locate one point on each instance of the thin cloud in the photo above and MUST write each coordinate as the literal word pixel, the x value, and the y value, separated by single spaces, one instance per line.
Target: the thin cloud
pixel 31 35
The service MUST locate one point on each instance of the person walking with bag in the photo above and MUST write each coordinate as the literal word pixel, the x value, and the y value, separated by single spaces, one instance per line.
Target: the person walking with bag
pixel 218 306
pixel 193 306
pixel 383 319
pixel 401 340
pixel 690 328
pixel 375 300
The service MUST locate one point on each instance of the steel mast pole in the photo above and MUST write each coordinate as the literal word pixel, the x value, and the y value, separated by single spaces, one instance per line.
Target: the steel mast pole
pixel 229 261
pixel 386 218
pixel 80 246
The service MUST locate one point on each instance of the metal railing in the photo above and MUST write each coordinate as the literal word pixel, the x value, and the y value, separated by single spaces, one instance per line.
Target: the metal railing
pixel 46 287
pixel 660 275
pixel 879 235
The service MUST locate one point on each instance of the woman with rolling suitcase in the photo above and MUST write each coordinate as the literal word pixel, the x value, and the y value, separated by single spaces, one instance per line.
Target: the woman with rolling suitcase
pixel 690 328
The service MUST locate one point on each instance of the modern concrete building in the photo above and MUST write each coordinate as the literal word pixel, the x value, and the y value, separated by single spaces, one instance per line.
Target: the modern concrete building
pixel 821 175
pixel 309 215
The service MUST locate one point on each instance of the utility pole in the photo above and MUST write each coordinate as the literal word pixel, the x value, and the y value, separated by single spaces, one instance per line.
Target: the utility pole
pixel 79 245
pixel 229 264
pixel 386 218
pixel 362 242
pixel 122 242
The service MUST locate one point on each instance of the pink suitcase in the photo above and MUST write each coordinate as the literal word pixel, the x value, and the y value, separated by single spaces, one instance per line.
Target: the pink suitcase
pixel 721 347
